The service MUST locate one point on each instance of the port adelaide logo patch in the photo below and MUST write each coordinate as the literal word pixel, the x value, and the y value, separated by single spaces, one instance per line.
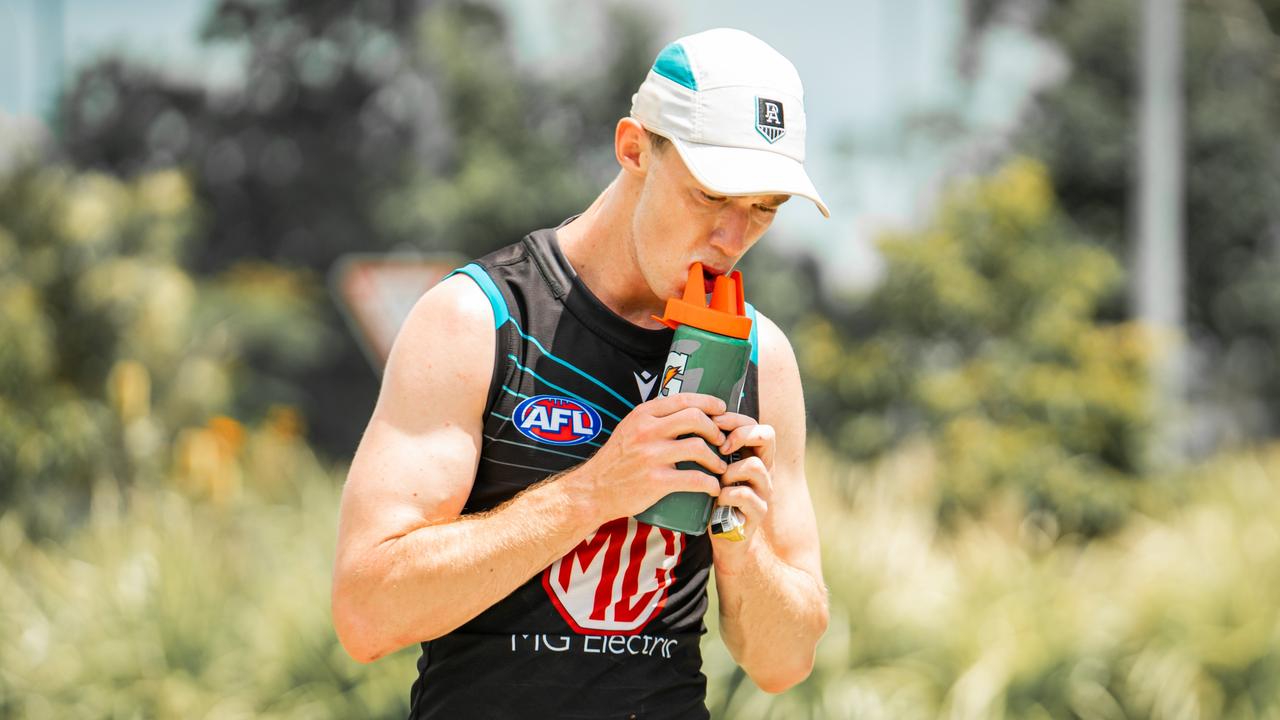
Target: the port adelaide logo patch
pixel 769 119
pixel 556 420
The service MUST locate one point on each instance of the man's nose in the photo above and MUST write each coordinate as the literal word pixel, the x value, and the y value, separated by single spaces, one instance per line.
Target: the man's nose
pixel 730 233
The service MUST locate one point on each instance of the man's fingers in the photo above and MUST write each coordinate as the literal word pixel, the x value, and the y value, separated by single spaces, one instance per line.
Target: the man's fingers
pixel 747 501
pixel 750 472
pixel 664 406
pixel 695 449
pixel 692 481
pixel 693 421
pixel 760 437
pixel 731 421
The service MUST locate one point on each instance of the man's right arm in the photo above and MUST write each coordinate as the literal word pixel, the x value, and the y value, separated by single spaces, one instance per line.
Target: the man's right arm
pixel 409 567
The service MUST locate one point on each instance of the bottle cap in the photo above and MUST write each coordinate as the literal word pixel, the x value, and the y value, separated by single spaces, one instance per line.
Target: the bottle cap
pixel 727 314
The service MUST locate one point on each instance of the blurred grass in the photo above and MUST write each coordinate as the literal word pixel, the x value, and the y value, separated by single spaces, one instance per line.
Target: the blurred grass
pixel 1173 617
pixel 175 600
pixel 200 598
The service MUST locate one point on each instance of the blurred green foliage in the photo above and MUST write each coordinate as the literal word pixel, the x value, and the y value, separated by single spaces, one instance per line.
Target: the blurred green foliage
pixel 108 347
pixel 1171 617
pixel 372 126
pixel 1085 130
pixel 169 601
pixel 166 603
pixel 984 339
pixel 134 509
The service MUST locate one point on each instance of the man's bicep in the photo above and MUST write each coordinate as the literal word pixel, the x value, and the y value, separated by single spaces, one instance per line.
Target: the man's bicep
pixel 416 462
pixel 792 527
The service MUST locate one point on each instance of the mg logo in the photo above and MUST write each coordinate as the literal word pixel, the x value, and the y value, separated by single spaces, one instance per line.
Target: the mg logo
pixel 615 581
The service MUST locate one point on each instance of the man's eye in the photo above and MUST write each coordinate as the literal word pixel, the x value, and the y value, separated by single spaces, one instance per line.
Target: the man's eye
pixel 712 198
pixel 767 209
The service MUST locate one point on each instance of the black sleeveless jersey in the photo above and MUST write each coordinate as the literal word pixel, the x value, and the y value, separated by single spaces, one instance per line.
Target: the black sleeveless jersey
pixel 610 630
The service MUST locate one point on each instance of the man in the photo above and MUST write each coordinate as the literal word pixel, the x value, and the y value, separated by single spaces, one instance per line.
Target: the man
pixel 488 511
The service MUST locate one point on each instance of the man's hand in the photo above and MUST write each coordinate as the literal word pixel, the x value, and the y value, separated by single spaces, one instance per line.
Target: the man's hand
pixel 747 483
pixel 636 467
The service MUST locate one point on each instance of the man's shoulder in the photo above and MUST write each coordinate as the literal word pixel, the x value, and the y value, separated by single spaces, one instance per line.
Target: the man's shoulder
pixel 774 346
pixel 780 390
pixel 448 333
pixel 457 301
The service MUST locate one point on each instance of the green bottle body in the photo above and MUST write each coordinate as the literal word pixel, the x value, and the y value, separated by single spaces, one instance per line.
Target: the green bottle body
pixel 712 364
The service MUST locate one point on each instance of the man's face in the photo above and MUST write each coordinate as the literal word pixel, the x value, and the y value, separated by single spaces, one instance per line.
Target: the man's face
pixel 679 222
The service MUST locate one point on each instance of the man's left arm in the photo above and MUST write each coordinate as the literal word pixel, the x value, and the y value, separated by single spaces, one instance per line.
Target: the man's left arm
pixel 773 602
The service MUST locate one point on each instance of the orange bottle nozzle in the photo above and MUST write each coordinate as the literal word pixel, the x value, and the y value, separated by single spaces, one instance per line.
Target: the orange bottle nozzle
pixel 726 314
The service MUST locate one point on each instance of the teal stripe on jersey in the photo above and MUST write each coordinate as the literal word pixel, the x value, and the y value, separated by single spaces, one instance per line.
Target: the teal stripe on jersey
pixel 570 393
pixel 499 304
pixel 522 396
pixel 502 315
pixel 572 367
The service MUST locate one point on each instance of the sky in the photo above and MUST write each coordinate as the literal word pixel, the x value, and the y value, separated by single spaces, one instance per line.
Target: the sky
pixel 869 67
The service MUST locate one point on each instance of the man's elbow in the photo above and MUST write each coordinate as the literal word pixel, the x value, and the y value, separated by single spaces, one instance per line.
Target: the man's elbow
pixel 365 632
pixel 358 648
pixel 355 632
pixel 781 679
pixel 783 676
pixel 362 629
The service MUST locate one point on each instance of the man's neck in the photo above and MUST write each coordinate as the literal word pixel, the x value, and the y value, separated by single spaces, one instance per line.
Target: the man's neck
pixel 598 244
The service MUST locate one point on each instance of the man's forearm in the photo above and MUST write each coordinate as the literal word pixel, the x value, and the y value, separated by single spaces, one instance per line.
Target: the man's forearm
pixel 428 581
pixel 771 617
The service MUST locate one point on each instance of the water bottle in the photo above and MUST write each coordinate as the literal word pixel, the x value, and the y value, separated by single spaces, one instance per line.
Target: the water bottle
pixel 709 355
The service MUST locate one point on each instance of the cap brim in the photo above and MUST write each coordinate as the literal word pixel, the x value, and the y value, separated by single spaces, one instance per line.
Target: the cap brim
pixel 745 171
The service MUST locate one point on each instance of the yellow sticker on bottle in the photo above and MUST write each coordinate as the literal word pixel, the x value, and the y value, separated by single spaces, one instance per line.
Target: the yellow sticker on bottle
pixel 727 522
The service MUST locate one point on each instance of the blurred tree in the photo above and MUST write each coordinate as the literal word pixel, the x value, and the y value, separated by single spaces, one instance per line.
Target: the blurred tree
pixel 1084 130
pixel 389 124
pixel 983 339
pixel 107 346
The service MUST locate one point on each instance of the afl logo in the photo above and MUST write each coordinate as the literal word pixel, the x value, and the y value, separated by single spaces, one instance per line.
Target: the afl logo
pixel 556 420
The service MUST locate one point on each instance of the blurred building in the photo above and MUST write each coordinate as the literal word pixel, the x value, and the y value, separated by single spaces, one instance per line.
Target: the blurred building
pixel 31 53
pixel 44 42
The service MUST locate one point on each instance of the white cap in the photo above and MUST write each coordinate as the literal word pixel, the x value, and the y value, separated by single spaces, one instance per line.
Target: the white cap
pixel 734 109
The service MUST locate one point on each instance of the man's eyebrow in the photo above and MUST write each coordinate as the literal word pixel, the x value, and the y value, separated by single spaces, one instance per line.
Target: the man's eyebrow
pixel 779 199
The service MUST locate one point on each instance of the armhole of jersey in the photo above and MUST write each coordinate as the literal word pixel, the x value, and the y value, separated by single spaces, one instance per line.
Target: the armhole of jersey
pixel 503 337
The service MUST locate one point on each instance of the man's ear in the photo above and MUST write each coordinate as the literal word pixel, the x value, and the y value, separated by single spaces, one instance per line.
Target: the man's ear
pixel 631 147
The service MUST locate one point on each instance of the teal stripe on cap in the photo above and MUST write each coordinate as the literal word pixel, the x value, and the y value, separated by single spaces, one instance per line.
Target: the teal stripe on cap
pixel 673 65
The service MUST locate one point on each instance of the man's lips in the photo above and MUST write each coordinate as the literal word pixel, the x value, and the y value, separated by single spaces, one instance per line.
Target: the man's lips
pixel 709 275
